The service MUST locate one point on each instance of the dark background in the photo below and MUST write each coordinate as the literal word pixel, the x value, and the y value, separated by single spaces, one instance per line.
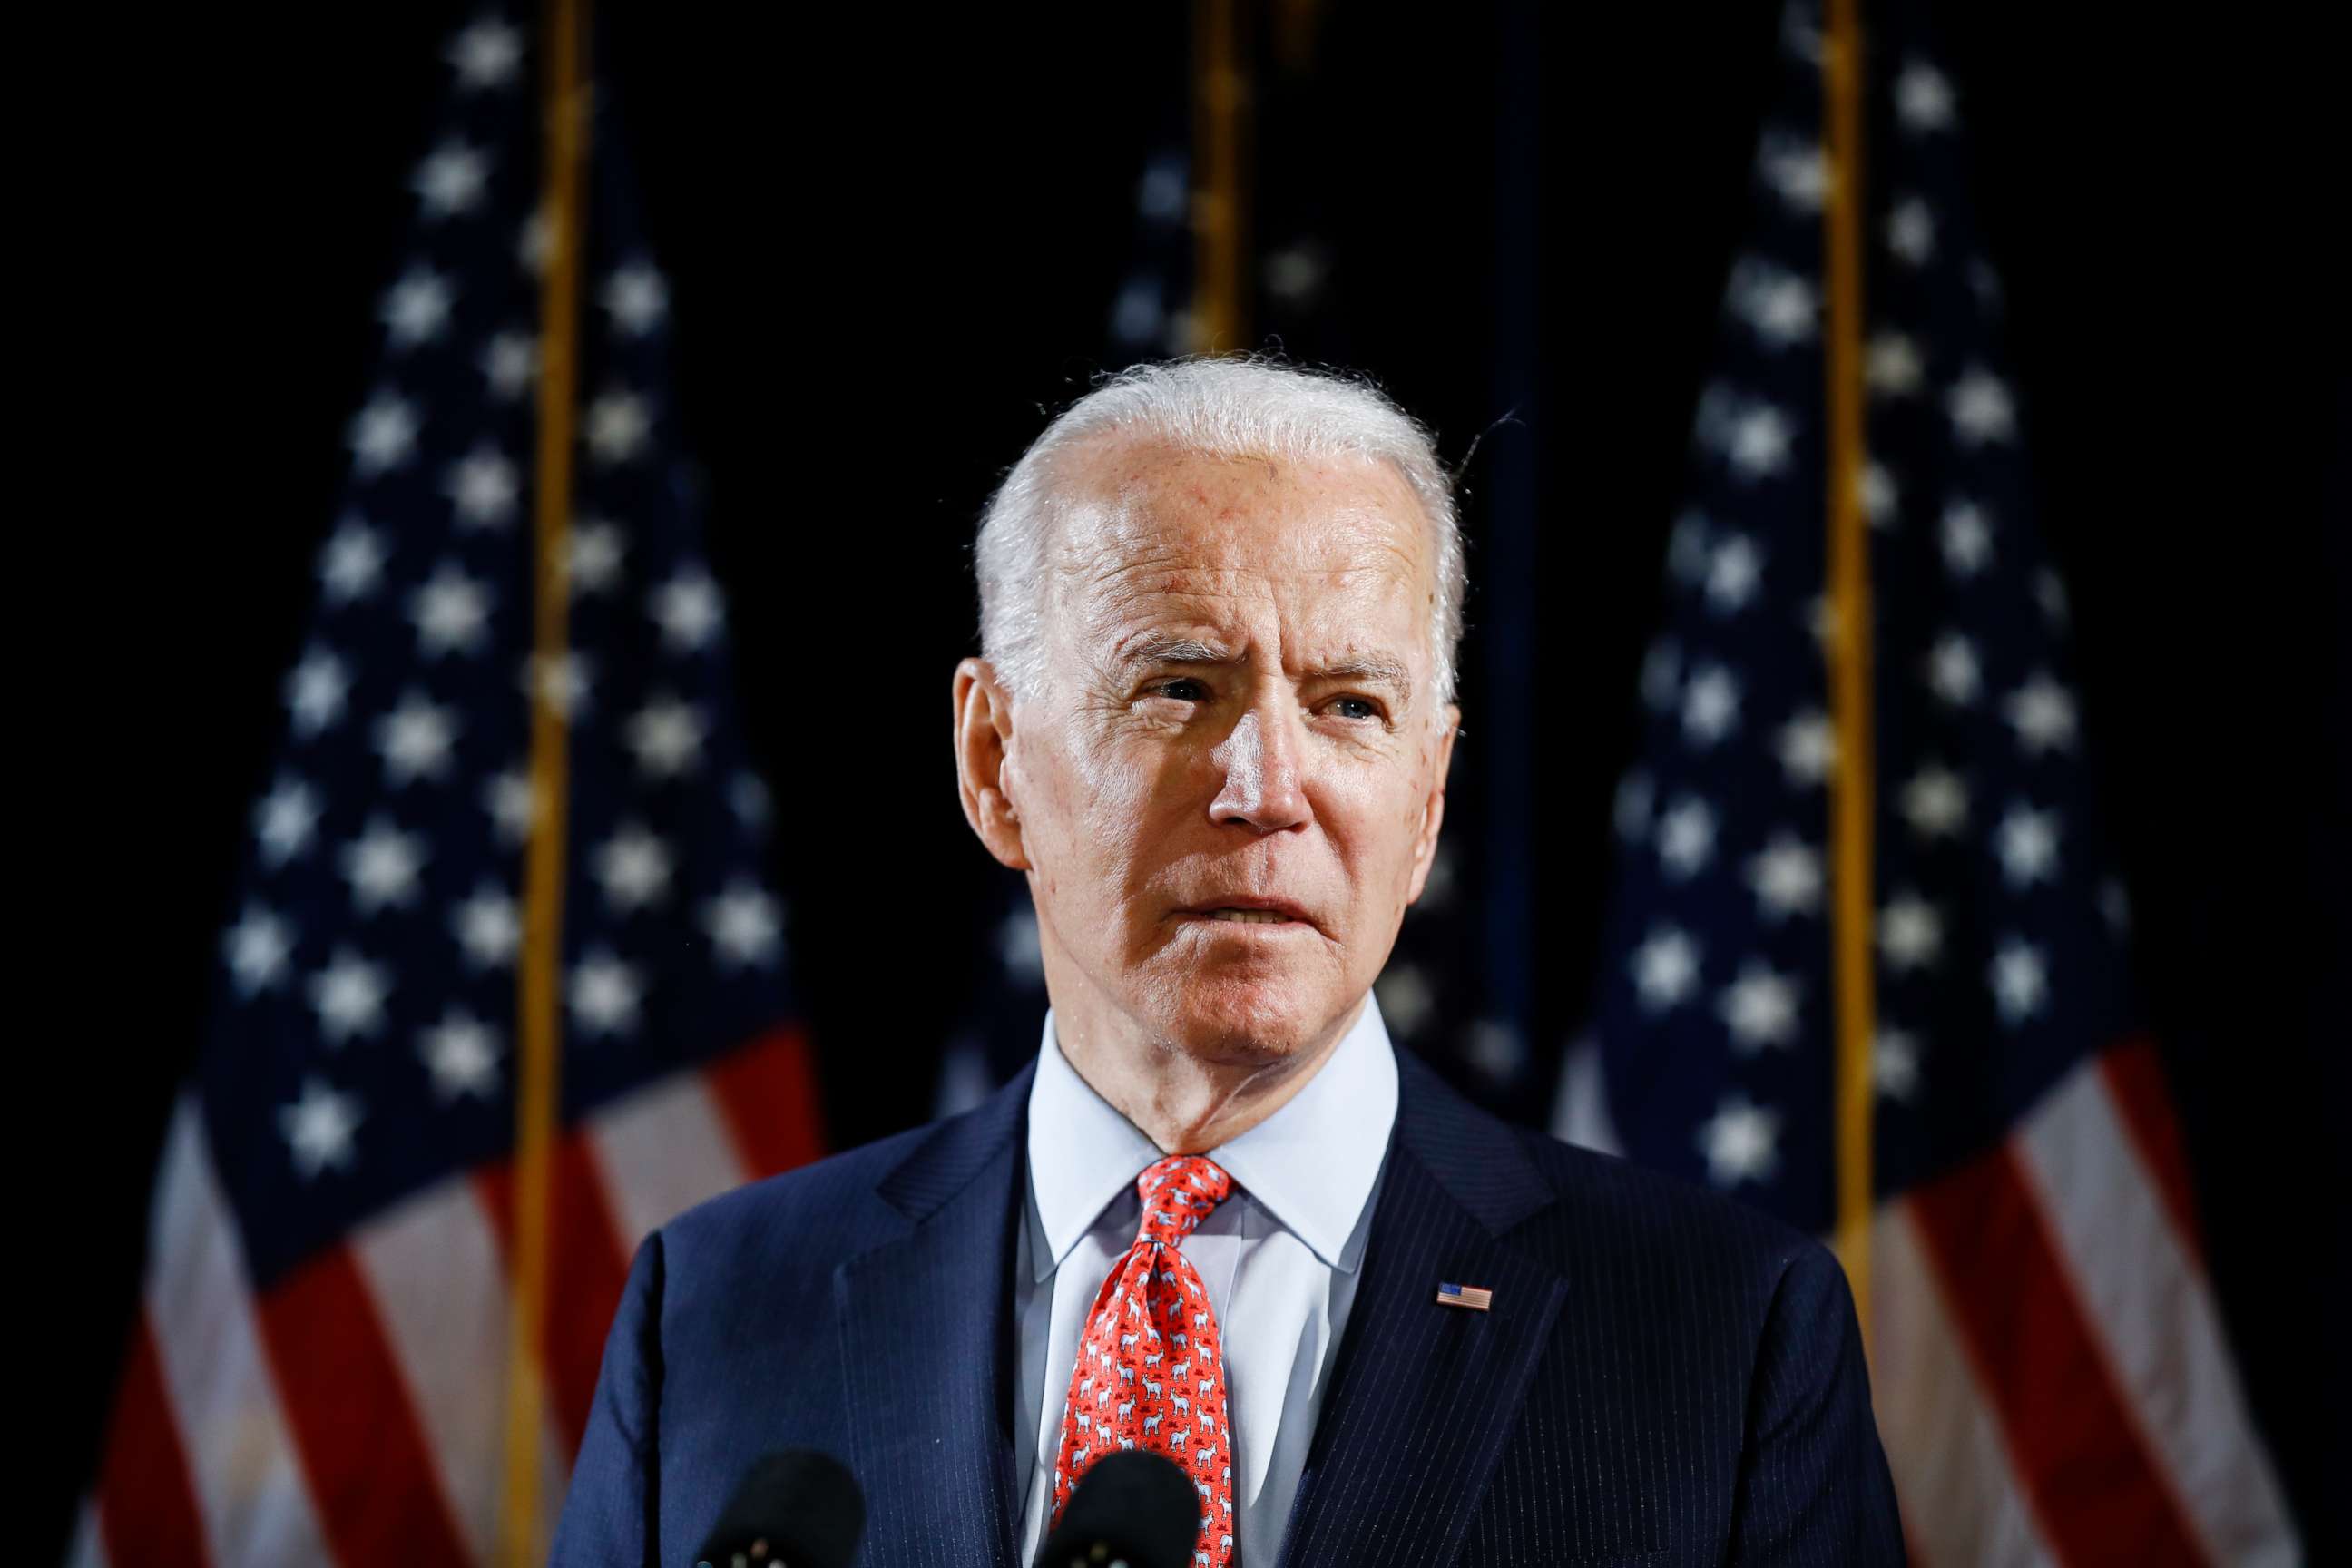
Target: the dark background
pixel 893 237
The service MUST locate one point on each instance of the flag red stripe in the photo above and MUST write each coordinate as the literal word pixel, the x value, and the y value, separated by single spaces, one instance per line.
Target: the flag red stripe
pixel 2135 1076
pixel 2079 1457
pixel 767 1090
pixel 586 1274
pixel 363 1449
pixel 146 1493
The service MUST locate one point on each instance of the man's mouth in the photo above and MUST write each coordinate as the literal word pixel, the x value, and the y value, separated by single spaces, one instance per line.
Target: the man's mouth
pixel 1252 909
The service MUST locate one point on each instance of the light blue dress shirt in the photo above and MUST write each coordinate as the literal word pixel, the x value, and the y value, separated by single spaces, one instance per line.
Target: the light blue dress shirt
pixel 1279 1258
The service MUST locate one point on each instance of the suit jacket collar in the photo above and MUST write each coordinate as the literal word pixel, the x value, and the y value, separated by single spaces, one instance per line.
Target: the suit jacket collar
pixel 1422 1394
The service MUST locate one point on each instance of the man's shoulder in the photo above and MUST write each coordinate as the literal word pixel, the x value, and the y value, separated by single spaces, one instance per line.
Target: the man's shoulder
pixel 1608 1199
pixel 805 1220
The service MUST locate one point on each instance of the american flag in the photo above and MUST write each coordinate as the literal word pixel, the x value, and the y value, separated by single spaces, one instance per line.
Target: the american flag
pixel 317 1371
pixel 2052 1379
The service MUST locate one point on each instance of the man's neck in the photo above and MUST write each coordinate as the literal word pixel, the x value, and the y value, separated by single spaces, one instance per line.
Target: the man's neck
pixel 1184 1104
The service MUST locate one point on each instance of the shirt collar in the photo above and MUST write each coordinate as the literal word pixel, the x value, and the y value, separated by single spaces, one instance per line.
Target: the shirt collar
pixel 1311 1164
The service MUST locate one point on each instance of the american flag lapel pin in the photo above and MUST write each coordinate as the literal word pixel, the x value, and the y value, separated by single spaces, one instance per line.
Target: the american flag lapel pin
pixel 1470 1296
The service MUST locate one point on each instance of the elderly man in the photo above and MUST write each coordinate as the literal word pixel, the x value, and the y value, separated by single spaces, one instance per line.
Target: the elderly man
pixel 1222 1218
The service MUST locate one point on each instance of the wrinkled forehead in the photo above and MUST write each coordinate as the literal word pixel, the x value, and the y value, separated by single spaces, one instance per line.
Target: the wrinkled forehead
pixel 1141 519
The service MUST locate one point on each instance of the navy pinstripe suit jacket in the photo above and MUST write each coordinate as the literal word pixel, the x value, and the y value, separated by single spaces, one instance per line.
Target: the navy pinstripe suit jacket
pixel 1665 1377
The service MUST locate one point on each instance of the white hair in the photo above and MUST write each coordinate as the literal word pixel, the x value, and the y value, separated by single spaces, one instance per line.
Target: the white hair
pixel 1224 407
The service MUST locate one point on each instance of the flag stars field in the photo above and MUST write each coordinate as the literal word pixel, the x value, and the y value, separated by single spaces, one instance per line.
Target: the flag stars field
pixel 605 995
pixel 487 926
pixel 1734 572
pixel 1935 802
pixel 286 820
pixel 319 1128
pixel 594 561
pixel 383 866
pixel 351 563
pixel 349 996
pixel 1666 969
pixel 667 736
pixel 1981 408
pixel 416 309
pixel 451 182
pixel 316 691
pixel 1687 837
pixel 484 487
pixel 1807 747
pixel 633 868
pixel 1910 932
pixel 1892 366
pixel 2028 846
pixel 462 1054
pixel 1760 1007
pixel 1786 878
pixel 1967 539
pixel 688 610
pixel 637 298
pixel 485 56
pixel 2020 981
pixel 510 365
pixel 1710 705
pixel 417 739
pixel 745 925
pixel 259 949
pixel 1952 671
pixel 618 426
pixel 383 434
pixel 2042 714
pixel 1740 1141
pixel 451 612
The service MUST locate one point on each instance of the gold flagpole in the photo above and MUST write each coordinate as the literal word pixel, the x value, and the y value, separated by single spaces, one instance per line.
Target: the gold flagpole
pixel 1220 205
pixel 1850 650
pixel 538 1083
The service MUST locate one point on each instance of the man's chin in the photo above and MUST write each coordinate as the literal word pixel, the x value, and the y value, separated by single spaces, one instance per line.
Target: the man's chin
pixel 1248 1025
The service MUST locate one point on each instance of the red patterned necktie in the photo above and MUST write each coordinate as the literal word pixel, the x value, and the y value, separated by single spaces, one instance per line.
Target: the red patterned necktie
pixel 1151 1372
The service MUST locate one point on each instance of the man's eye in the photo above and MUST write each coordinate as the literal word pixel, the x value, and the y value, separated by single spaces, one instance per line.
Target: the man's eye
pixel 1370 709
pixel 1184 689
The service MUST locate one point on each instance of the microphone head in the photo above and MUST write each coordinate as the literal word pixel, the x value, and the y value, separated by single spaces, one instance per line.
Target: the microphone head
pixel 1133 1505
pixel 796 1508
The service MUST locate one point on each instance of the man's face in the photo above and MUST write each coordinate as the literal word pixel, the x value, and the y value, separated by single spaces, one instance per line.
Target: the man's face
pixel 1237 715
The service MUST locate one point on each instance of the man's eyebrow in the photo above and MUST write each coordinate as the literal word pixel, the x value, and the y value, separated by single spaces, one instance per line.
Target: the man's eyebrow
pixel 1378 668
pixel 1178 650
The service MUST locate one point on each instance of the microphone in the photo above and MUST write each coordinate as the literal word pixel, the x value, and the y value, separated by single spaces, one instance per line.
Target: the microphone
pixel 1130 1507
pixel 796 1508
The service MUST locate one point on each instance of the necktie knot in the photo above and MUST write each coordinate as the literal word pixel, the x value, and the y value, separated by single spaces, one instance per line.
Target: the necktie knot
pixel 1178 1194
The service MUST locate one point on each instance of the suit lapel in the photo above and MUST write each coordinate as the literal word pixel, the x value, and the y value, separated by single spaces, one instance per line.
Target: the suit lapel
pixel 926 1340
pixel 1422 1394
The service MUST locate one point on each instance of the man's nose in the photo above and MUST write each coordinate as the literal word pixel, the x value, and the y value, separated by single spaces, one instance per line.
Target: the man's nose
pixel 1260 759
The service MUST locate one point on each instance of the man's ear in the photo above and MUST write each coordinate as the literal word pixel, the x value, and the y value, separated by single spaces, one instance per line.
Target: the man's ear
pixel 983 741
pixel 1432 808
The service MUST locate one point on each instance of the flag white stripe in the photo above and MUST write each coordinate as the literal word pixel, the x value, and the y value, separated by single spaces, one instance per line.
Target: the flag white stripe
pixel 432 1265
pixel 1953 1479
pixel 249 1484
pixel 88 1547
pixel 663 1150
pixel 2147 1302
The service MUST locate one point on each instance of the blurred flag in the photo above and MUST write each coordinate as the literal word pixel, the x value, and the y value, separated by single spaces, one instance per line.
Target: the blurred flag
pixel 2051 1375
pixel 318 1372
